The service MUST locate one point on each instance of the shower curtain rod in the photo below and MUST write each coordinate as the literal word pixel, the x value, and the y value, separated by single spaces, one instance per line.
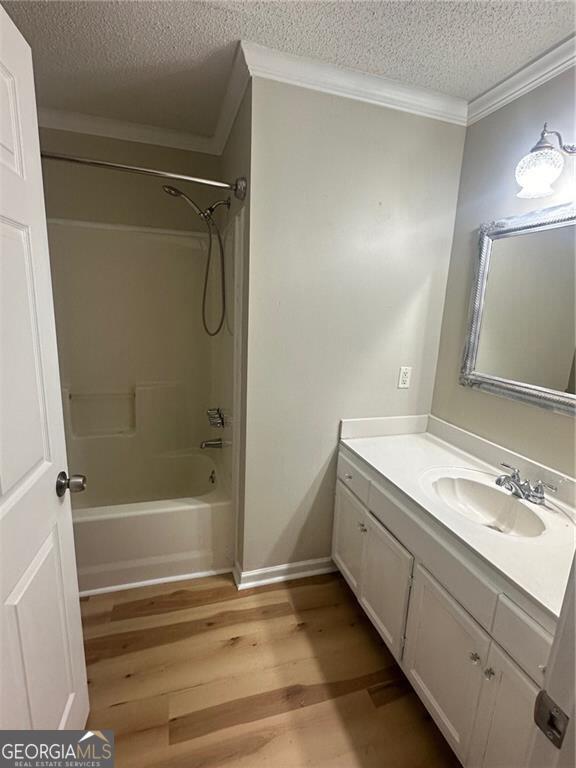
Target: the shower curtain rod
pixel 238 187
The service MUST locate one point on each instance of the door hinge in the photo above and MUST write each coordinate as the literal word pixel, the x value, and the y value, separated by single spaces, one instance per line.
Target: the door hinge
pixel 551 720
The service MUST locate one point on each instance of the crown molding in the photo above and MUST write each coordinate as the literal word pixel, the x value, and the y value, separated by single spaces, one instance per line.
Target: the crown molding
pixel 252 60
pixel 75 122
pixel 536 73
pixel 373 89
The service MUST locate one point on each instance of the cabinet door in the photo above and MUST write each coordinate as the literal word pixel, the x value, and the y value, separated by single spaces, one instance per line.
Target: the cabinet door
pixel 445 655
pixel 347 537
pixel 504 725
pixel 385 583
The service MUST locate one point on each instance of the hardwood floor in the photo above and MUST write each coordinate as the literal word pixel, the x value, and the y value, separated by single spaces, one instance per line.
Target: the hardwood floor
pixel 292 675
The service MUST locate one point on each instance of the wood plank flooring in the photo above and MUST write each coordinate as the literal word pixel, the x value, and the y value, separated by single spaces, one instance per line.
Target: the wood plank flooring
pixel 199 675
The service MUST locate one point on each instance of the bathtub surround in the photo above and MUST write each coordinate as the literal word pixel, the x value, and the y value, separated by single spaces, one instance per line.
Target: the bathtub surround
pixel 117 242
pixel 134 361
pixel 488 190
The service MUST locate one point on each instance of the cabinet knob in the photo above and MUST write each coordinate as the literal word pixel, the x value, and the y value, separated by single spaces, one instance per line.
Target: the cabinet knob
pixel 474 657
pixel 362 527
pixel 347 477
pixel 489 673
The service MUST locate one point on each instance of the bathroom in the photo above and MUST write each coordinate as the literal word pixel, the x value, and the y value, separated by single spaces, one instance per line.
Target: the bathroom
pixel 253 310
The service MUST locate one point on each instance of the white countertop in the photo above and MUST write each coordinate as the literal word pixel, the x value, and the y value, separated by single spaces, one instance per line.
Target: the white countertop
pixel 538 565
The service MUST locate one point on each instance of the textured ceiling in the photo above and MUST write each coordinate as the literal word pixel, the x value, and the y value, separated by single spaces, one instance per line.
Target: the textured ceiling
pixel 167 63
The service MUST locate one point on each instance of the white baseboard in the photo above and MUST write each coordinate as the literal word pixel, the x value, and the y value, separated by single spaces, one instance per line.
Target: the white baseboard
pixel 237 573
pixel 153 582
pixel 278 573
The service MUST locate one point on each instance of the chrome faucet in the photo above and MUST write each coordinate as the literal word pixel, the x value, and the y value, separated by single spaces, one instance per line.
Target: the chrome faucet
pixel 512 482
pixel 524 489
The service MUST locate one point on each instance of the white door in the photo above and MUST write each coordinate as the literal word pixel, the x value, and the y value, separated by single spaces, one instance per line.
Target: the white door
pixel 444 657
pixel 385 583
pixel 43 677
pixel 559 685
pixel 348 538
pixel 504 726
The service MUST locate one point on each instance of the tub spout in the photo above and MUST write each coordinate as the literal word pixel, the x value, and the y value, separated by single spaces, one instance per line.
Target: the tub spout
pixel 211 443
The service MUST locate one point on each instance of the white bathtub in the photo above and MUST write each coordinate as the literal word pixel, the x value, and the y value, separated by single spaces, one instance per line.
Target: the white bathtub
pixel 127 544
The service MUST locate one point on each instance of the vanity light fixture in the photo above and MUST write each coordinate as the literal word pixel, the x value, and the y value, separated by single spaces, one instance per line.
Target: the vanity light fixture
pixel 542 165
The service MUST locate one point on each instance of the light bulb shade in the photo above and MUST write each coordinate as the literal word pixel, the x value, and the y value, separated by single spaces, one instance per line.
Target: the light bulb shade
pixel 537 171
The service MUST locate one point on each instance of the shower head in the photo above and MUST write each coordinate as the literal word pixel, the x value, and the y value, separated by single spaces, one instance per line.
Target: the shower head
pixel 175 192
pixel 207 214
pixel 171 191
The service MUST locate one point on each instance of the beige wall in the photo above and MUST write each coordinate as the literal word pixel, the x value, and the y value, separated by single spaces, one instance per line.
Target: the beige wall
pixel 352 216
pixel 95 194
pixel 487 192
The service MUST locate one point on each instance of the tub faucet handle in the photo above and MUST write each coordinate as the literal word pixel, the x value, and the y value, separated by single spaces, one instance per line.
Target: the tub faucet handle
pixel 215 417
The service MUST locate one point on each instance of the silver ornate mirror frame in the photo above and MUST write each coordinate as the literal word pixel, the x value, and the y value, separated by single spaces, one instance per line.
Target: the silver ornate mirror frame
pixel 548 218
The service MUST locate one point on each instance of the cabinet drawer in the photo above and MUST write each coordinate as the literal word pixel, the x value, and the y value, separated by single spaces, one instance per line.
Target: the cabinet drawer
pixel 522 637
pixel 353 478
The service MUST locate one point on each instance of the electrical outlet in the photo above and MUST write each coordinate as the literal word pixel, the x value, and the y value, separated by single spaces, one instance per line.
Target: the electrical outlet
pixel 404 377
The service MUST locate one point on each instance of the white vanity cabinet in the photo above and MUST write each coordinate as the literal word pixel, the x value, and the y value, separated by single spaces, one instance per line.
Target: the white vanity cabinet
pixel 474 656
pixel 504 725
pixel 445 655
pixel 385 583
pixel 375 565
pixel 347 537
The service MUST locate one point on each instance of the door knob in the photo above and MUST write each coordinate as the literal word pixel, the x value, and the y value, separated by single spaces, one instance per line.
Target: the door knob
pixel 74 483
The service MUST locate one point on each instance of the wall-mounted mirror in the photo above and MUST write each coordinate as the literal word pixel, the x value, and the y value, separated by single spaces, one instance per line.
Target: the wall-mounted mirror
pixel 521 337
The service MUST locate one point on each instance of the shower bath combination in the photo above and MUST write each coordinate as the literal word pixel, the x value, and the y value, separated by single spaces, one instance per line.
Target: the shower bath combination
pixel 207 217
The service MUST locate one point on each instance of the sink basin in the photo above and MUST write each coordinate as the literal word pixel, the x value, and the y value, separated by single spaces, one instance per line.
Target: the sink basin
pixel 475 496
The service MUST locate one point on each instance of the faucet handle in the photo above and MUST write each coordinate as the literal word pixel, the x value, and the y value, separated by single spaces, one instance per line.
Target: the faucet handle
pixel 536 491
pixel 515 470
pixel 540 484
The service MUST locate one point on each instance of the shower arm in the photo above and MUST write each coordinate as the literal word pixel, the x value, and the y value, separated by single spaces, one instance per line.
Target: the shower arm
pixel 238 187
